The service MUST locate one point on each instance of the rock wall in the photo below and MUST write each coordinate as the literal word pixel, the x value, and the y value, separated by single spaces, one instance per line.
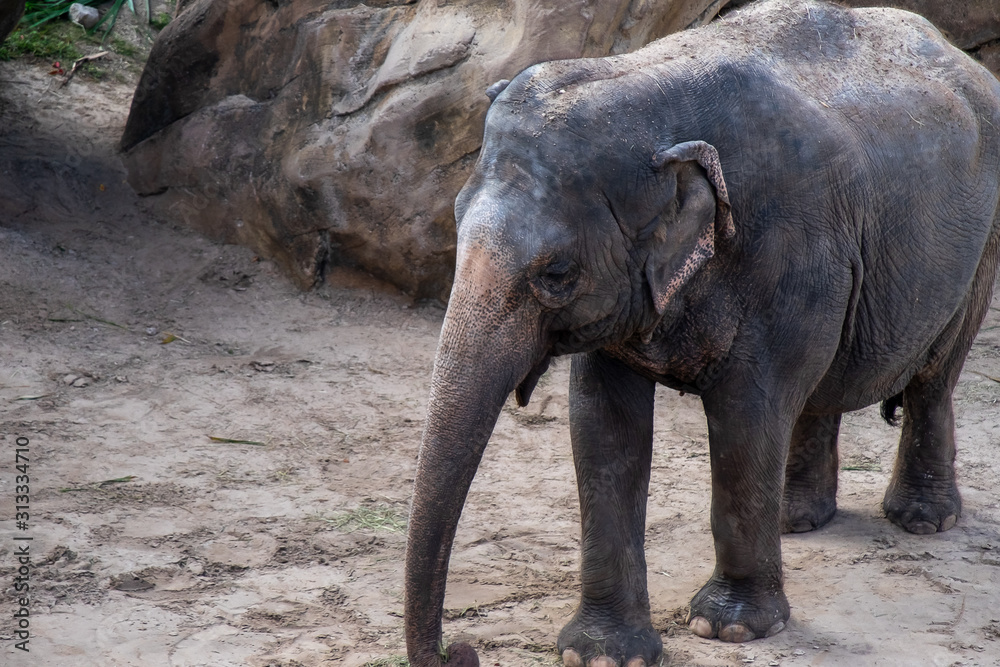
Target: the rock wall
pixel 338 132
pixel 324 132
pixel 10 13
pixel 972 25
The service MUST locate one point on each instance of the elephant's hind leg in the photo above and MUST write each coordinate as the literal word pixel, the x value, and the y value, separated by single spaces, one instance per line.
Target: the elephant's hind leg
pixel 810 497
pixel 611 426
pixel 922 496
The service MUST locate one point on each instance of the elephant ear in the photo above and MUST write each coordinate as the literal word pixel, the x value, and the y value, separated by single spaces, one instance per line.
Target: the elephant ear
pixel 683 237
pixel 493 91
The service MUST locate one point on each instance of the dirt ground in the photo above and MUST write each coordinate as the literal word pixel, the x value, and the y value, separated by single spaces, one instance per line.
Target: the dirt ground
pixel 126 344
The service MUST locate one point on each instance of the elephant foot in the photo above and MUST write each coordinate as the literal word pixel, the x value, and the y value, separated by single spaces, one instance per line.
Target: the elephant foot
pixel 589 642
pixel 801 513
pixel 462 655
pixel 738 611
pixel 923 510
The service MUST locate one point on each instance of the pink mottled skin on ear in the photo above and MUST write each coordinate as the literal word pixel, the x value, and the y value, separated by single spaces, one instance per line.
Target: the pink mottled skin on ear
pixel 702 253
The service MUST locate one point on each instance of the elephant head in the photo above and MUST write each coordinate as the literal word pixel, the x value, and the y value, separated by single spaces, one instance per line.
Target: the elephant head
pixel 576 231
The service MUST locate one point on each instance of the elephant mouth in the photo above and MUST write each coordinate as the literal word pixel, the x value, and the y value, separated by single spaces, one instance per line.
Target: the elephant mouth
pixel 522 394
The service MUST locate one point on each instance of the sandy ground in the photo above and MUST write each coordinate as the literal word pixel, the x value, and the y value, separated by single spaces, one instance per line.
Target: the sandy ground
pixel 288 552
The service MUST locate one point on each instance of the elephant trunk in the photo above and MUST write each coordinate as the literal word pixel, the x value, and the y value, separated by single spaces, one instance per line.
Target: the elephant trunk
pixel 482 356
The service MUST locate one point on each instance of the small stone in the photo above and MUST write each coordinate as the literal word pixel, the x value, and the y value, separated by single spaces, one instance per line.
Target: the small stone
pixel 84 16
pixel 152 331
pixel 81 382
pixel 798 651
pixel 130 582
pixel 121 378
pixel 70 379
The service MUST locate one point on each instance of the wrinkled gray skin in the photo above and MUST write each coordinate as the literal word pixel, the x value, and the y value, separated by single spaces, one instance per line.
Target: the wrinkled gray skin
pixel 791 213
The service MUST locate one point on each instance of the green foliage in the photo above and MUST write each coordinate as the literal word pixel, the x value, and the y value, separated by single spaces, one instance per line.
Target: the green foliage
pixel 121 47
pixel 109 16
pixel 160 21
pixel 93 71
pixel 38 12
pixel 41 12
pixel 53 41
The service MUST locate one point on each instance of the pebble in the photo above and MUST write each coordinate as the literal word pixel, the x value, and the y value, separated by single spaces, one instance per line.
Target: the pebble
pixel 70 379
pixel 85 16
pixel 81 382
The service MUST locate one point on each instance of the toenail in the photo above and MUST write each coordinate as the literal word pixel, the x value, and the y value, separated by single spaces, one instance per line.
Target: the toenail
pixel 775 629
pixel 701 627
pixel 949 522
pixel 922 528
pixel 803 526
pixel 736 633
pixel 603 661
pixel 636 662
pixel 571 658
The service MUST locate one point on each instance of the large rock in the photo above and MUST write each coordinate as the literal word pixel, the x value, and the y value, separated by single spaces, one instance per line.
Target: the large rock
pixel 324 132
pixel 10 13
pixel 337 132
pixel 969 24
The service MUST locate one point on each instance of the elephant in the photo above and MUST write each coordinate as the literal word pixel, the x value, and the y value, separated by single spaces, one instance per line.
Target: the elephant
pixel 791 213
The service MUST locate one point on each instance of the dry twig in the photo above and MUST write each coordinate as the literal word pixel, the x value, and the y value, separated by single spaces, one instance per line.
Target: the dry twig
pixel 80 61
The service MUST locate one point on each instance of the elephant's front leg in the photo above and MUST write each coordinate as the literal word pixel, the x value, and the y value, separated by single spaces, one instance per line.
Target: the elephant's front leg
pixel 748 433
pixel 611 424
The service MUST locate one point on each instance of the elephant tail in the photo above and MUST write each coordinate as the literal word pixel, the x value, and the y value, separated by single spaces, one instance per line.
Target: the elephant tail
pixel 889 407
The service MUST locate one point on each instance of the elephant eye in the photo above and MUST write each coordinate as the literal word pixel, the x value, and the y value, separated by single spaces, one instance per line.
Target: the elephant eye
pixel 556 283
pixel 557 272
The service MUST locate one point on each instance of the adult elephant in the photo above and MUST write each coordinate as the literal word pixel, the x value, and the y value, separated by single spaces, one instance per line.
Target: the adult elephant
pixel 792 213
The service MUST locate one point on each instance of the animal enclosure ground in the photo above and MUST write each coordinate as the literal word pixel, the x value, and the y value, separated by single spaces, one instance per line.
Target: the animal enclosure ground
pixel 127 345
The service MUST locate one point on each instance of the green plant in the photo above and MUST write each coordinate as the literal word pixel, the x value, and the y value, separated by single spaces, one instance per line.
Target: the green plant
pixel 93 71
pixel 112 15
pixel 121 47
pixel 40 12
pixel 160 21
pixel 50 42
